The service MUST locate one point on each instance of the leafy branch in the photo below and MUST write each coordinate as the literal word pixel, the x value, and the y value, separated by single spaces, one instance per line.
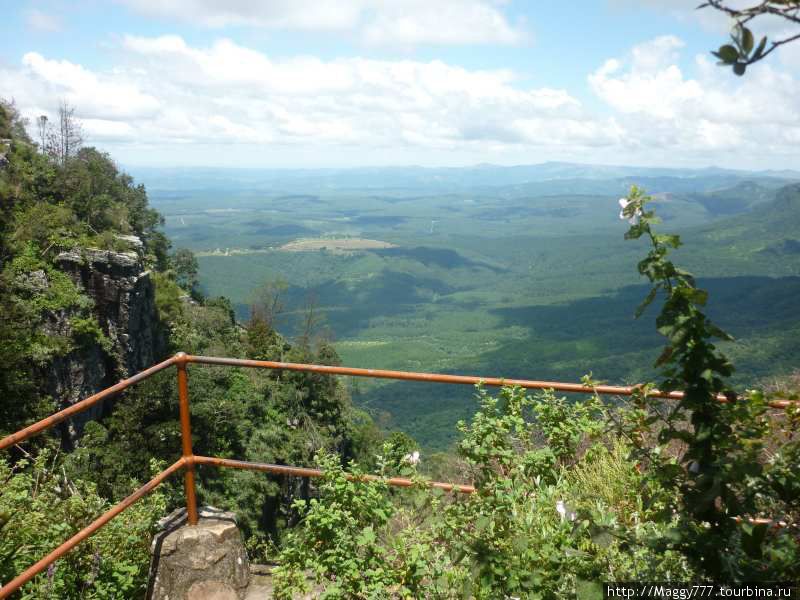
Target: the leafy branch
pixel 722 440
pixel 743 51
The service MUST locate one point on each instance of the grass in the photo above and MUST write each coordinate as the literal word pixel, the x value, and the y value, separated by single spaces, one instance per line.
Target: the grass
pixel 334 245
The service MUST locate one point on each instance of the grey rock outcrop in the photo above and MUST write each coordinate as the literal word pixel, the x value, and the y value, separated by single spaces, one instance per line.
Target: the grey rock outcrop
pixel 124 305
pixel 124 299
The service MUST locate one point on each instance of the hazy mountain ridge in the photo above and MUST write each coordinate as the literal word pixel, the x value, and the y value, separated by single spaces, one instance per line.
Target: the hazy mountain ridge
pixel 448 178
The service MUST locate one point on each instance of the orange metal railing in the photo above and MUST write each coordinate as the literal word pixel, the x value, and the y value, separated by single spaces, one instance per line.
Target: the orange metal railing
pixel 189 460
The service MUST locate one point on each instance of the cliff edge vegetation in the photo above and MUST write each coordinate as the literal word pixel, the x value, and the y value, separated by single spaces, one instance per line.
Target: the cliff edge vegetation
pixel 91 292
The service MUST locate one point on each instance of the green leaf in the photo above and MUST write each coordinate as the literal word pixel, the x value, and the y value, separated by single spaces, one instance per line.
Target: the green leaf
pixel 668 239
pixel 520 543
pixel 665 355
pixel 699 297
pixel 367 537
pixel 481 523
pixel 717 332
pixel 747 40
pixel 739 68
pixel 601 537
pixel 727 54
pixel 694 295
pixel 753 538
pixel 760 50
pixel 646 302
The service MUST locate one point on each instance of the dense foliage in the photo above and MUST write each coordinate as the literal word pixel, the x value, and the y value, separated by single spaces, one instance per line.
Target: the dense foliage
pixel 41 506
pixel 51 202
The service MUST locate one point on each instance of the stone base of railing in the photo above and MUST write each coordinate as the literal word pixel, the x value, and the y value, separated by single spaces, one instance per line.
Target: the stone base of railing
pixel 202 562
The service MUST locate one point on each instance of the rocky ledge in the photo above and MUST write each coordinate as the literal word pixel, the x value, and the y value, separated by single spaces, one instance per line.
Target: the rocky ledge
pixel 124 299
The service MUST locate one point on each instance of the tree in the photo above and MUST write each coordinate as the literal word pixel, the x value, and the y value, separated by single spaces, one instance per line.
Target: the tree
pixel 42 127
pixel 743 51
pixel 263 342
pixel 12 124
pixel 313 319
pixel 185 269
pixel 65 141
pixel 268 302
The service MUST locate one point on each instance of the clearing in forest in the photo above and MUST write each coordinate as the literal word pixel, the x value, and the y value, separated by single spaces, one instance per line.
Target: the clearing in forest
pixel 334 245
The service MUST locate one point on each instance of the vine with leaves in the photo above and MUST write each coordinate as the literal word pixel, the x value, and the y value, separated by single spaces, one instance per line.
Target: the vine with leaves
pixel 720 471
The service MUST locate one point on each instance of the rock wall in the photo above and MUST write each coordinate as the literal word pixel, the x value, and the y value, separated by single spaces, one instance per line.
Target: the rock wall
pixel 124 298
pixel 124 305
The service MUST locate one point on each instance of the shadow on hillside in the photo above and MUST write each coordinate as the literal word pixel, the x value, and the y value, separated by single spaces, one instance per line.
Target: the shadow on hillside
pixel 736 303
pixel 349 307
pixel 436 257
pixel 597 335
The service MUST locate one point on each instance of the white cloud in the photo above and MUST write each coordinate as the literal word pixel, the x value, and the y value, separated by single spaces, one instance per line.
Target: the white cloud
pixel 653 85
pixel 106 97
pixel 41 21
pixel 413 22
pixel 166 93
pixel 394 22
pixel 756 115
pixel 108 131
pixel 172 93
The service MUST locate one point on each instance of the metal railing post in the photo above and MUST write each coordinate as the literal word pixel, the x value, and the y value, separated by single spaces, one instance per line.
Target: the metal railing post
pixel 186 438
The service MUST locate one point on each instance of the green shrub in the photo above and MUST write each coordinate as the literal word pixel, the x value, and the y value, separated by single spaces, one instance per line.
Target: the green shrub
pixel 86 330
pixel 40 508
pixel 168 298
pixel 541 524
pixel 356 543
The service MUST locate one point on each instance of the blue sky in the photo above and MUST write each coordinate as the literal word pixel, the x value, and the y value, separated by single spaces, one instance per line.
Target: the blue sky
pixel 291 83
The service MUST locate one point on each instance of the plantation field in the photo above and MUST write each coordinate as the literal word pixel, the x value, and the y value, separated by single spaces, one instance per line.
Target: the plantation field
pixel 491 273
pixel 341 245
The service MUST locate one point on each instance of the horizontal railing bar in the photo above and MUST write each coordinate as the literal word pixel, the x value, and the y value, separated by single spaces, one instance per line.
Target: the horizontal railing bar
pixel 89 530
pixel 393 481
pixel 83 405
pixel 441 378
pixel 78 407
pixel 305 472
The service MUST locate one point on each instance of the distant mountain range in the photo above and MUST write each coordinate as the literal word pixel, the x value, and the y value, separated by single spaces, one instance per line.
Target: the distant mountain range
pixel 548 177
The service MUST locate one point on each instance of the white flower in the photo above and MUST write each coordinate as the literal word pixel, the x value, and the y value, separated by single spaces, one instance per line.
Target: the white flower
pixel 412 459
pixel 561 509
pixel 633 220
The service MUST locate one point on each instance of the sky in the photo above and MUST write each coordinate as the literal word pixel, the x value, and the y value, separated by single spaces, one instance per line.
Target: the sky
pixel 345 83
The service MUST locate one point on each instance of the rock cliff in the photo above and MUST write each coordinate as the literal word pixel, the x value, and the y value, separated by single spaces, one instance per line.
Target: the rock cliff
pixel 124 304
